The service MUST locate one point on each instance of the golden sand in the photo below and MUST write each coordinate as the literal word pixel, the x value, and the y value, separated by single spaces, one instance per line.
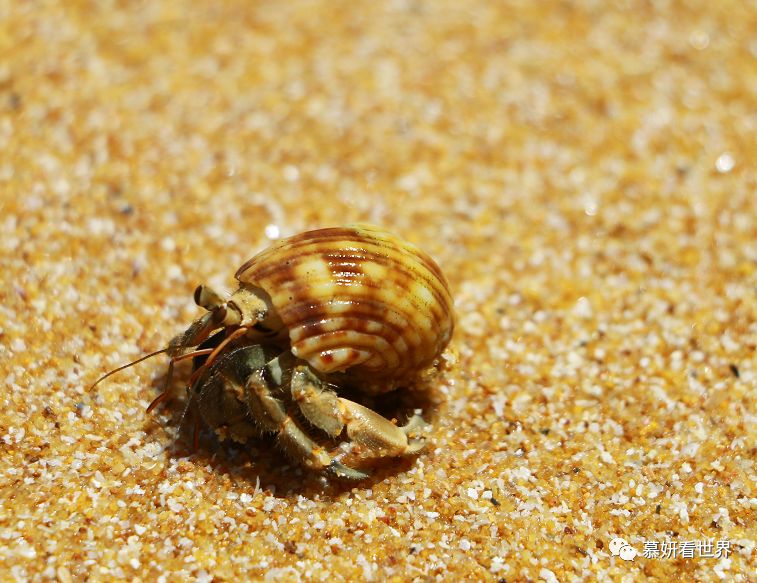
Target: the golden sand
pixel 583 173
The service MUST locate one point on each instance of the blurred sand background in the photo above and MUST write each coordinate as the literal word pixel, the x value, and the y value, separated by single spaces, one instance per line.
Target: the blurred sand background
pixel 582 171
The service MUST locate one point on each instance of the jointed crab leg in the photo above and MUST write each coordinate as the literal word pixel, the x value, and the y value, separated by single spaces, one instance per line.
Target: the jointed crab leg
pixel 272 415
pixel 165 393
pixel 331 413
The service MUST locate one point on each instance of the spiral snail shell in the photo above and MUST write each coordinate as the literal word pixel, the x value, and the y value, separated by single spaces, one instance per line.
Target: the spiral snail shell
pixel 355 299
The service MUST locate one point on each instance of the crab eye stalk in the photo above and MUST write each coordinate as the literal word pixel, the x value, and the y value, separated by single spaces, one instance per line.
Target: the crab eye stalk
pixel 207 298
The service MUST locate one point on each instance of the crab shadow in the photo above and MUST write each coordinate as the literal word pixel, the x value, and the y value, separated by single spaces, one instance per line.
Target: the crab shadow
pixel 261 461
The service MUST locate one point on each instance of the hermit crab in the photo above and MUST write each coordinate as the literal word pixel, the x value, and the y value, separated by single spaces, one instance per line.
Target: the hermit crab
pixel 339 307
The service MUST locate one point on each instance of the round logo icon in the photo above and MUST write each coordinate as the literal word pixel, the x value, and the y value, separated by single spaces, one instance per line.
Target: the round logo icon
pixel 616 544
pixel 620 547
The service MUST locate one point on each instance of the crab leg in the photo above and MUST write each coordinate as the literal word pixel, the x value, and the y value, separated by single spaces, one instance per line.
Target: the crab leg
pixel 271 413
pixel 331 413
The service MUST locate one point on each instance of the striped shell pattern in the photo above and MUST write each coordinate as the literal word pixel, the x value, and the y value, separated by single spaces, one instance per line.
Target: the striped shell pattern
pixel 356 299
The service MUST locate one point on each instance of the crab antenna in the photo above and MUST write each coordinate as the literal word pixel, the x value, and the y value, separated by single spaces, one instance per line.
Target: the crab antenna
pixel 120 368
